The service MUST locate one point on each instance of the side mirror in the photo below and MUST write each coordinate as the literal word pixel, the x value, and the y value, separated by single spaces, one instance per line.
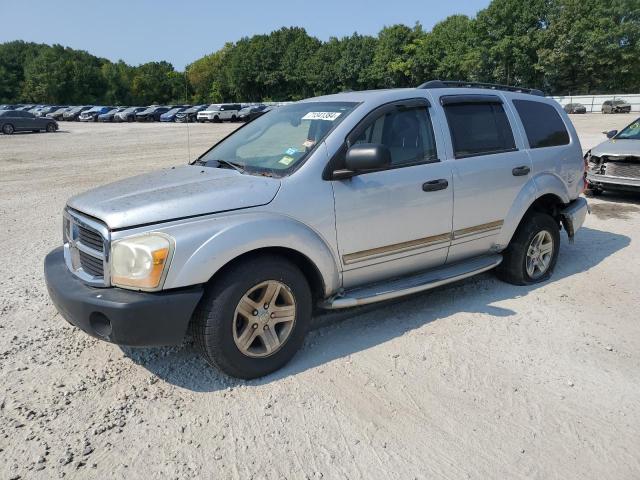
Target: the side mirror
pixel 362 158
pixel 611 133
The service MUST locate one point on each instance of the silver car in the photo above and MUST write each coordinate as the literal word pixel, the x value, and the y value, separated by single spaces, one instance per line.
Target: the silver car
pixel 615 163
pixel 331 202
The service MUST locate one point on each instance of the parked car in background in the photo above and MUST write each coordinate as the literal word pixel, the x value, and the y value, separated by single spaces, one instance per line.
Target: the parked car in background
pixel 170 116
pixel 190 114
pixel 92 114
pixel 128 114
pixel 43 111
pixel 8 106
pixel 331 202
pixel 151 114
pixel 252 112
pixel 73 114
pixel 57 114
pixel 220 112
pixel 108 116
pixel 25 108
pixel 616 106
pixel 21 121
pixel 575 108
pixel 615 163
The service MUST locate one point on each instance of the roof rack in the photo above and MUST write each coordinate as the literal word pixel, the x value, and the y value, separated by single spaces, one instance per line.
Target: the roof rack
pixel 490 86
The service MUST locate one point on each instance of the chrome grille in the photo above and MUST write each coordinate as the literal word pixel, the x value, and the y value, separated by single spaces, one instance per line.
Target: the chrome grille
pixel 623 169
pixel 91 265
pixel 90 238
pixel 86 248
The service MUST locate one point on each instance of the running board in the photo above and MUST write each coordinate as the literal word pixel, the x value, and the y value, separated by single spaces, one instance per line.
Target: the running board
pixel 400 287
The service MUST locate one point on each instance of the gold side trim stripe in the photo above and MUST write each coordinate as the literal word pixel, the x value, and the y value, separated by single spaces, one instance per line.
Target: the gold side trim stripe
pixel 485 227
pixel 395 248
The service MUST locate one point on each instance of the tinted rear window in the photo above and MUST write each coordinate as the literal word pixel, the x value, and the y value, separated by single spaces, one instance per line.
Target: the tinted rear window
pixel 542 124
pixel 479 129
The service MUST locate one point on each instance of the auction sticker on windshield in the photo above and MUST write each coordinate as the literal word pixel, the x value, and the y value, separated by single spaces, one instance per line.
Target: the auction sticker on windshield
pixel 329 116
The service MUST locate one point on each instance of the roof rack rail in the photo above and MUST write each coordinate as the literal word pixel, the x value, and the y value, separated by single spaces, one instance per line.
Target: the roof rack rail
pixel 490 86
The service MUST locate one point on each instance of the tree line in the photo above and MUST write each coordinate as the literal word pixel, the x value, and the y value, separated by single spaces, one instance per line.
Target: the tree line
pixel 559 46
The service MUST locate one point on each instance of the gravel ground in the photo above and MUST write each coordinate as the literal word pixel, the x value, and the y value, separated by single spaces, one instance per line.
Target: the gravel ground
pixel 476 380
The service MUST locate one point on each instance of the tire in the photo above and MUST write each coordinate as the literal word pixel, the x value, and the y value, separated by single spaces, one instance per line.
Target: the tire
pixel 217 323
pixel 513 268
pixel 594 192
pixel 8 129
pixel 51 127
pixel 216 120
pixel 233 118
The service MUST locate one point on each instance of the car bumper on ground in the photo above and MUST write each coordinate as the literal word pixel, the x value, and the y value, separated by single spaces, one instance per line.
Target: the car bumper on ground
pixel 117 315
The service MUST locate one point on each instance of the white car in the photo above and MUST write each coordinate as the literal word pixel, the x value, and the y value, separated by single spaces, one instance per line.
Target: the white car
pixel 220 112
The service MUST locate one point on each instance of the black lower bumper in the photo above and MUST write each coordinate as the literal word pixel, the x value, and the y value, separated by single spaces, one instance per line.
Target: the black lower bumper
pixel 116 315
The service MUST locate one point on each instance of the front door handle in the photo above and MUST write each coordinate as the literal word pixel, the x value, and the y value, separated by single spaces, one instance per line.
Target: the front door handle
pixel 435 185
pixel 520 171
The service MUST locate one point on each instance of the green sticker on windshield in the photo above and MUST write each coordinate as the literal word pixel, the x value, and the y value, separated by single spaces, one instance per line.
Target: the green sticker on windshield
pixel 286 160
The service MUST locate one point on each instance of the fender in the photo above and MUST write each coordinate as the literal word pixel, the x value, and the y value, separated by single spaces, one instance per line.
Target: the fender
pixel 203 247
pixel 541 184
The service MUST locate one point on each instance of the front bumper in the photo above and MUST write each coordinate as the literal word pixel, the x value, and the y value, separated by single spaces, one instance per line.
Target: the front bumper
pixel 117 315
pixel 613 183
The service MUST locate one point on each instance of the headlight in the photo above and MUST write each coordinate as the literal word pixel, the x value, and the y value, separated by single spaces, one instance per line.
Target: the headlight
pixel 141 262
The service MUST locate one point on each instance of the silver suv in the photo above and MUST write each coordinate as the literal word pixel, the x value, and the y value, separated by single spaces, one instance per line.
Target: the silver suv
pixel 335 202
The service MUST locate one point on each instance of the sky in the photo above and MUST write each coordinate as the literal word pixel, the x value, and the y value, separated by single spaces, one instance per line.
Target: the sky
pixel 139 31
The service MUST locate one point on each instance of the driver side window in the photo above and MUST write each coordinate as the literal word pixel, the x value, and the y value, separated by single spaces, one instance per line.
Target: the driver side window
pixel 406 132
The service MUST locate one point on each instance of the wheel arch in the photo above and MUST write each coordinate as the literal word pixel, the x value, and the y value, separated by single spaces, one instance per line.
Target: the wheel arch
pixel 544 193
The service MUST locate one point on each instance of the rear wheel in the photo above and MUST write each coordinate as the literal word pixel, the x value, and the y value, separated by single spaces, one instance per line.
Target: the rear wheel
pixel 532 254
pixel 254 317
pixel 8 129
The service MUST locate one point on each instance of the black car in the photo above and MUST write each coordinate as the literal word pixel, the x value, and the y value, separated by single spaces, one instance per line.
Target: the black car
pixel 73 114
pixel 21 121
pixel 575 108
pixel 190 114
pixel 151 114
pixel 250 113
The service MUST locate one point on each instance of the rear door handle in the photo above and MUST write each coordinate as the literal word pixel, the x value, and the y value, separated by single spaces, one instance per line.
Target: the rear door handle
pixel 435 185
pixel 520 171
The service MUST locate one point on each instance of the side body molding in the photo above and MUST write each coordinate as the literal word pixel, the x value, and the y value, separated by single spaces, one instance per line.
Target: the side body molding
pixel 205 246
pixel 539 185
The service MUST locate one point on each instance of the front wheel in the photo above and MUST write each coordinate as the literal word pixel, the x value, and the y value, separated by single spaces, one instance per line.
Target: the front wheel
pixel 533 252
pixel 254 317
pixel 8 129
pixel 51 127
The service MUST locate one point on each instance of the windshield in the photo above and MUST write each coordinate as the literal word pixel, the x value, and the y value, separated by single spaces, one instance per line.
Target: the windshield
pixel 619 102
pixel 630 132
pixel 213 108
pixel 279 140
pixel 174 111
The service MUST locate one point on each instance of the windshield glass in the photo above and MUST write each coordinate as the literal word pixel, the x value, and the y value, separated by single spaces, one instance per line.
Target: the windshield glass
pixel 618 102
pixel 174 111
pixel 213 108
pixel 630 132
pixel 280 139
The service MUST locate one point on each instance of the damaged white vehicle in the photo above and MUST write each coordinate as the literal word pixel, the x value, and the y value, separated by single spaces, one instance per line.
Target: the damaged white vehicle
pixel 615 163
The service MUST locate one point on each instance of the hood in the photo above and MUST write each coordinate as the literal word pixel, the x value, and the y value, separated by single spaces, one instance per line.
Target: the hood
pixel 617 147
pixel 174 193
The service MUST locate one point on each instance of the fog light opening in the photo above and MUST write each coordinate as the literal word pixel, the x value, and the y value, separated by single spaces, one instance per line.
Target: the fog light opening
pixel 100 324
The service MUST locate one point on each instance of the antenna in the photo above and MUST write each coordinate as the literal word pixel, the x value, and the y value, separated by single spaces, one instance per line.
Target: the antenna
pixel 186 95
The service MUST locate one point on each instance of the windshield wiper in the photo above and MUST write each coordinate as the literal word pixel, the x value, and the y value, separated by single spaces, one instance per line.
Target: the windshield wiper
pixel 233 165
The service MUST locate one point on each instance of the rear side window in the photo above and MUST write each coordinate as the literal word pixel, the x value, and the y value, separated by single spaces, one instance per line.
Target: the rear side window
pixel 408 134
pixel 542 124
pixel 479 129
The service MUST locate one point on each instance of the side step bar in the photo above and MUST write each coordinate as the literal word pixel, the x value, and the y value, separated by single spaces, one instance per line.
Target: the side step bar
pixel 400 287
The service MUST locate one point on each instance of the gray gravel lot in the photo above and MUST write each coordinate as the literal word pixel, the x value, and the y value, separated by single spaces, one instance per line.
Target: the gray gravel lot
pixel 476 380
